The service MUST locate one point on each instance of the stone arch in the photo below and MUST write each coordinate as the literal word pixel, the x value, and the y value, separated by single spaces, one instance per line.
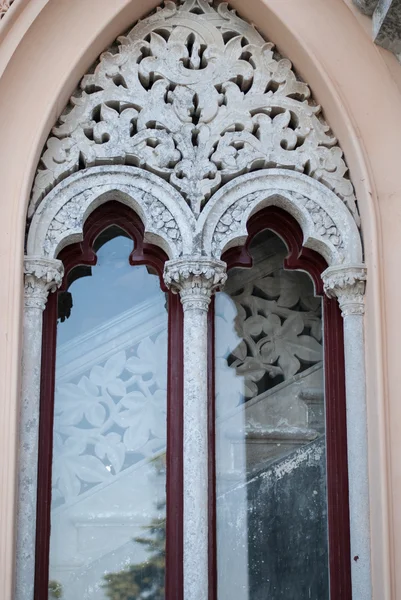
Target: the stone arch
pixel 326 222
pixel 59 219
pixel 195 94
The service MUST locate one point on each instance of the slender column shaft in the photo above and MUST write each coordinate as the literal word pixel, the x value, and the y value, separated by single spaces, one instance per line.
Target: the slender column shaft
pixel 195 280
pixel 347 284
pixel 41 276
pixel 357 456
pixel 195 454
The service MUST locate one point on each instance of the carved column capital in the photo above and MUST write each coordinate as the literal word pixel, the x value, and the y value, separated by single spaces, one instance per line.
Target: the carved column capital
pixel 347 284
pixel 195 279
pixel 42 275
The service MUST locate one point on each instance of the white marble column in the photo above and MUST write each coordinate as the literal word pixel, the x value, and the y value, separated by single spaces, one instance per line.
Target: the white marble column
pixel 195 279
pixel 347 284
pixel 41 276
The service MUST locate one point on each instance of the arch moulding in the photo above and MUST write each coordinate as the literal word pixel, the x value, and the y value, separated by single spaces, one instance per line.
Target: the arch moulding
pixel 189 119
pixel 104 25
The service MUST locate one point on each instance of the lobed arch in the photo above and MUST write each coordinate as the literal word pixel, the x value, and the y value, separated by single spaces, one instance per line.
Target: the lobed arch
pixel 328 226
pixel 213 116
pixel 194 248
pixel 60 217
pixel 27 76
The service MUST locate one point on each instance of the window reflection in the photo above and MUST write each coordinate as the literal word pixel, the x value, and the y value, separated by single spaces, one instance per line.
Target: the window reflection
pixel 270 433
pixel 109 440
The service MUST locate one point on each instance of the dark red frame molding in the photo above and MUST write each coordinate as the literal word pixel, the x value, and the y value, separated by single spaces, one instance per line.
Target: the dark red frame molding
pixel 299 257
pixel 82 253
pixel 277 220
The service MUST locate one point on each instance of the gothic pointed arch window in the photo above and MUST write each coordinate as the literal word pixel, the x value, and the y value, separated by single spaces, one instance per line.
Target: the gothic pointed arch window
pixel 193 219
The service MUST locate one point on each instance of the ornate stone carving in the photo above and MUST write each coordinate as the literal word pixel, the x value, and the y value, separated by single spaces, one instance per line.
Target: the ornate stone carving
pixel 324 224
pixel 194 94
pixel 42 276
pixel 232 223
pixel 195 278
pixel 348 285
pixel 4 7
pixel 81 197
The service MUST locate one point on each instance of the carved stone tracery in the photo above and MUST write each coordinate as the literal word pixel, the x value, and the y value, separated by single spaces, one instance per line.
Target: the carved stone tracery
pixel 195 97
pixel 194 94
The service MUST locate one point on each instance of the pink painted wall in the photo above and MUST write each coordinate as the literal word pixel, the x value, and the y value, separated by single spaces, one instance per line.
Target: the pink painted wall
pixel 46 45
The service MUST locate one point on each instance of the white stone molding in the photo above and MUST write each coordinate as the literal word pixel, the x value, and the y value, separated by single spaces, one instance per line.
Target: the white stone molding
pixel 327 224
pixel 195 278
pixel 196 123
pixel 42 276
pixel 60 217
pixel 347 284
pixel 195 94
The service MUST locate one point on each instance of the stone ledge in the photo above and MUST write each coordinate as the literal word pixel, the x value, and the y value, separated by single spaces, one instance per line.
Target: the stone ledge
pixel 386 28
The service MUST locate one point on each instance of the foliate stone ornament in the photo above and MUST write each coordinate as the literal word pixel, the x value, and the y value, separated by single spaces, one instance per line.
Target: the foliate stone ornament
pixel 70 219
pixel 317 220
pixel 195 279
pixel 194 94
pixel 4 7
pixel 347 284
pixel 42 275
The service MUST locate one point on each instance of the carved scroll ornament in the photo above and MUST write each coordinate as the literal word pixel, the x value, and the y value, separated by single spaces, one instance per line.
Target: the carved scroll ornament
pixel 194 94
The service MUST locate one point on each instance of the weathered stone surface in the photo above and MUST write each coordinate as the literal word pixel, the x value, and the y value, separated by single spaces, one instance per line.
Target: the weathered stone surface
pixel 196 95
pixel 386 26
pixel 170 123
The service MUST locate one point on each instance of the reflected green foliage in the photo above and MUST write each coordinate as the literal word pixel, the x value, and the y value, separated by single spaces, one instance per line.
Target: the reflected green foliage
pixel 144 580
pixel 55 590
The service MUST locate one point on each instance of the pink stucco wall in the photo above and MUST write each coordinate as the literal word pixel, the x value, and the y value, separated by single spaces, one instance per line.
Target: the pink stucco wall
pixel 46 45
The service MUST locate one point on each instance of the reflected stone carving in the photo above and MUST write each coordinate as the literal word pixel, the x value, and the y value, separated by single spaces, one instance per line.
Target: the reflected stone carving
pixel 196 279
pixel 123 403
pixel 42 276
pixel 194 94
pixel 347 284
pixel 279 322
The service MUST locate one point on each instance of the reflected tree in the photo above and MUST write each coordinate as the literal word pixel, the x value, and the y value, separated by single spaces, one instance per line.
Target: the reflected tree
pixel 144 580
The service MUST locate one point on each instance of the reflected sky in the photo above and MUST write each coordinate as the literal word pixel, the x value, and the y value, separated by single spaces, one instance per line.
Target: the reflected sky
pixel 96 301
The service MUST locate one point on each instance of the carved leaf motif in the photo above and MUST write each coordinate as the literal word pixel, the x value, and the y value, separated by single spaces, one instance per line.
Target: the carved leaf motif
pixel 270 330
pixel 284 344
pixel 110 418
pixel 197 101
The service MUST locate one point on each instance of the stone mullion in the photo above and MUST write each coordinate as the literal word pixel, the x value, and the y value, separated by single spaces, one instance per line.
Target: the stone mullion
pixel 195 280
pixel 347 284
pixel 41 276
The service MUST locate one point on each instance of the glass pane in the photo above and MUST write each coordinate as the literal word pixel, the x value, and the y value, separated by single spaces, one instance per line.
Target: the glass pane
pixel 109 472
pixel 270 433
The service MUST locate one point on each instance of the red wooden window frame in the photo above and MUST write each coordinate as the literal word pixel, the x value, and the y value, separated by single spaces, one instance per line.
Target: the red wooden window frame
pixel 301 258
pixel 82 253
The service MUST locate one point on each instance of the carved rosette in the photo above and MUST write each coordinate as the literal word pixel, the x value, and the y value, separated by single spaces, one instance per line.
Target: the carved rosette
pixel 347 284
pixel 42 275
pixel 195 279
